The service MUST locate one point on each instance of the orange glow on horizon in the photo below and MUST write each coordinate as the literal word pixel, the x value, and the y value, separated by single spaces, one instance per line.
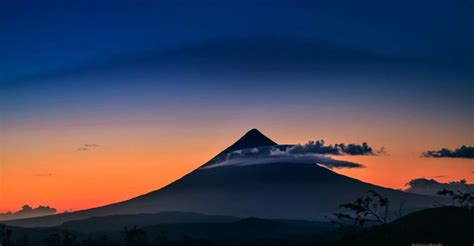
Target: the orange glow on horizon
pixel 133 161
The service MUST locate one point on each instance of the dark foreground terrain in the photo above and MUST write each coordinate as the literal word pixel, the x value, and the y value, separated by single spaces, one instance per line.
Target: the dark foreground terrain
pixel 445 225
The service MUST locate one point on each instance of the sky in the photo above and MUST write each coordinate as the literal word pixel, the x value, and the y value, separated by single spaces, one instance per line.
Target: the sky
pixel 114 99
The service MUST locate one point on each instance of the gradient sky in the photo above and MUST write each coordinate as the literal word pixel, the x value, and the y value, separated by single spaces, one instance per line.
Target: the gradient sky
pixel 162 88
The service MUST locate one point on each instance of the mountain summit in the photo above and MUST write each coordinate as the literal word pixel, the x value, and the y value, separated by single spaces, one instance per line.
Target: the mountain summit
pixel 251 139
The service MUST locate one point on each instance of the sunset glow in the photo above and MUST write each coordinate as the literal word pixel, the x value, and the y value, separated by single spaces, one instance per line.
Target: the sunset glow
pixel 100 103
pixel 41 166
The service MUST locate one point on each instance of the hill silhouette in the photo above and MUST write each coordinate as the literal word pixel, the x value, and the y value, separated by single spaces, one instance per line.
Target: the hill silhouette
pixel 119 222
pixel 443 225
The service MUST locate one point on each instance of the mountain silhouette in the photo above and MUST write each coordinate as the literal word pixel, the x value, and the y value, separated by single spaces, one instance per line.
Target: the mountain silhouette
pixel 251 139
pixel 278 190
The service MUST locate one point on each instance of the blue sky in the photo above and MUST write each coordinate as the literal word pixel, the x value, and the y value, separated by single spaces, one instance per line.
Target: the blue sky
pixel 60 57
pixel 51 37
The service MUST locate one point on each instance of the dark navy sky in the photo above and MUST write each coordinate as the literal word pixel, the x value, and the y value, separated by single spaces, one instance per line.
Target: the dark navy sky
pixel 78 57
pixel 50 37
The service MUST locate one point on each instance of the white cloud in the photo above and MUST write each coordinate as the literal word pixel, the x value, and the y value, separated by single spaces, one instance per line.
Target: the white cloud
pixel 278 154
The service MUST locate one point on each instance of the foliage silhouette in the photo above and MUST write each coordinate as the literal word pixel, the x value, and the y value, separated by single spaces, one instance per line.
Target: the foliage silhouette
pixel 460 198
pixel 68 239
pixel 161 240
pixel 5 236
pixel 364 210
pixel 53 239
pixel 23 241
pixel 135 237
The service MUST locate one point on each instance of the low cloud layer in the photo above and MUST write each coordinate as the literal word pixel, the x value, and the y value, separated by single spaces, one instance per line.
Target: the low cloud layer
pixel 431 187
pixel 462 152
pixel 297 154
pixel 28 212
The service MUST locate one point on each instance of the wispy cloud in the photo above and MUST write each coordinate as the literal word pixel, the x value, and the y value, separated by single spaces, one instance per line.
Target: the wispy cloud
pixel 462 152
pixel 381 151
pixel 86 147
pixel 91 145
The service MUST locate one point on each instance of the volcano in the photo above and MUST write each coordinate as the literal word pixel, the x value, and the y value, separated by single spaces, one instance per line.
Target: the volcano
pixel 281 188
pixel 252 139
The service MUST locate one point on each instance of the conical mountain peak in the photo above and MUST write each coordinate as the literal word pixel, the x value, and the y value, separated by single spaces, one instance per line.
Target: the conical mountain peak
pixel 251 139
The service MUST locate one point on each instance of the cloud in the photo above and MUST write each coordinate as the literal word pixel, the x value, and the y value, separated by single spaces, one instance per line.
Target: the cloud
pixel 381 151
pixel 278 154
pixel 462 152
pixel 86 147
pixel 319 147
pixel 27 212
pixel 431 187
pixel 91 145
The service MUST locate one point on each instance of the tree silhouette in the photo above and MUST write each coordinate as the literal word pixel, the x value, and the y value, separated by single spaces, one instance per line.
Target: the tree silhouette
pixel 5 236
pixel 105 241
pixel 161 240
pixel 53 239
pixel 364 210
pixel 135 237
pixel 89 242
pixel 23 241
pixel 460 198
pixel 68 239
